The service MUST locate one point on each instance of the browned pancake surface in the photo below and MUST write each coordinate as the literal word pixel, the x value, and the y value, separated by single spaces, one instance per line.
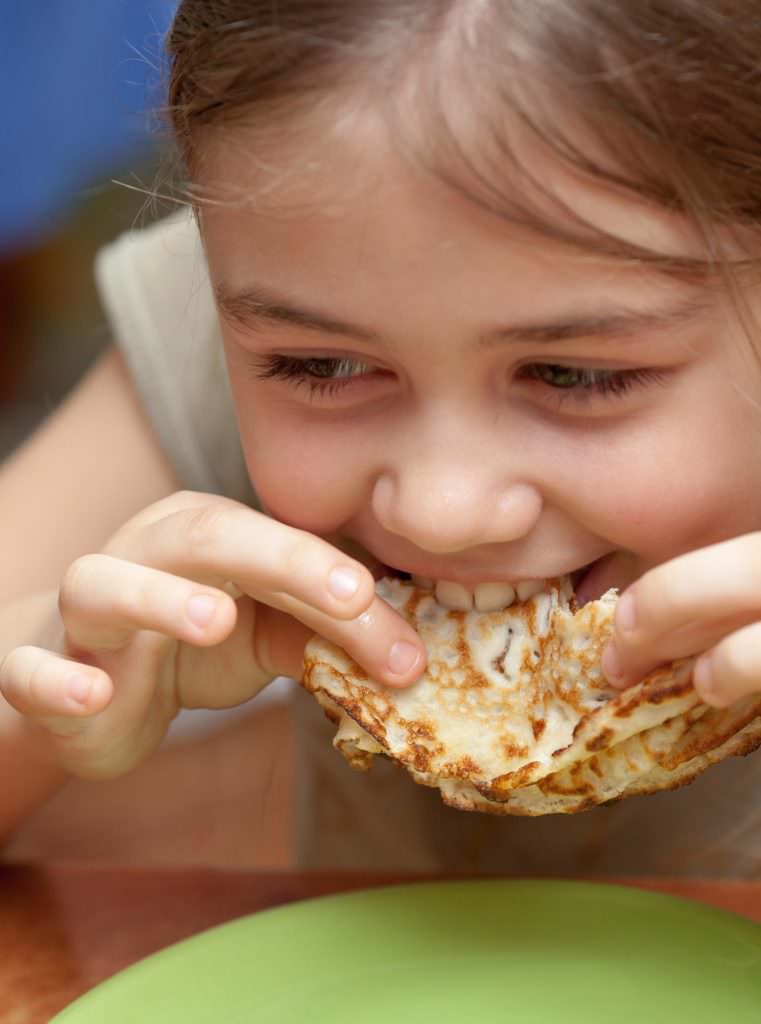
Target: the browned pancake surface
pixel 513 715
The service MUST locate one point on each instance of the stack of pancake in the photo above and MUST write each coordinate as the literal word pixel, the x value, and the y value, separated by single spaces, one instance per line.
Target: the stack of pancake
pixel 513 714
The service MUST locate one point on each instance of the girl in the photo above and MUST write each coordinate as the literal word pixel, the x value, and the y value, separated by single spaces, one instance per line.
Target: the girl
pixel 484 277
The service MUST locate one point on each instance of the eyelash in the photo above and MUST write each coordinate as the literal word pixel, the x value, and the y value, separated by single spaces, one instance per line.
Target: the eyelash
pixel 325 376
pixel 595 382
pixel 310 372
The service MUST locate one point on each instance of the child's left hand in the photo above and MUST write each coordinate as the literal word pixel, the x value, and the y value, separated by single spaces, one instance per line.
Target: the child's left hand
pixel 705 603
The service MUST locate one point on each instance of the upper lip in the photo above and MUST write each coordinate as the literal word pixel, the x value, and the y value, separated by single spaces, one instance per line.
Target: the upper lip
pixel 472 577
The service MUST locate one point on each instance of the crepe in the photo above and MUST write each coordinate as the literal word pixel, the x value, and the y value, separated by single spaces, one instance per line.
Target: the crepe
pixel 513 714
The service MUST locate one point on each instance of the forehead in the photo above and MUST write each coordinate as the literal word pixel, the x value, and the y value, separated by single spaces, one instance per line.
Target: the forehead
pixel 346 170
pixel 338 200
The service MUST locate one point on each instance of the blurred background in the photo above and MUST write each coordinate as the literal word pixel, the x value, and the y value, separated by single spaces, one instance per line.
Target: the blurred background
pixel 82 86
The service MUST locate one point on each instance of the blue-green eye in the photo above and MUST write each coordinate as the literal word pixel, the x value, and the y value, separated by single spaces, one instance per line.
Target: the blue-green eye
pixel 585 381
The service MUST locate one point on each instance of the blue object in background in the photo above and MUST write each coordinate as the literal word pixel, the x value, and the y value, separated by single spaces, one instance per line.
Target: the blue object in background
pixel 80 81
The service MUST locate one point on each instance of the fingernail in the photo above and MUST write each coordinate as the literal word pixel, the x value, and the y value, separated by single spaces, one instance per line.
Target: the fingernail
pixel 201 609
pixel 79 688
pixel 344 583
pixel 626 616
pixel 704 681
pixel 611 665
pixel 402 657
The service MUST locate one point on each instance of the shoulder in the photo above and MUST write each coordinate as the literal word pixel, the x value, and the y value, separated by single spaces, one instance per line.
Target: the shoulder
pixel 155 290
pixel 154 286
pixel 166 254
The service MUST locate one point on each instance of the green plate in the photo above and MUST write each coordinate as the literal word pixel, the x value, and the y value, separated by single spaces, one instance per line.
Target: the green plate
pixel 451 953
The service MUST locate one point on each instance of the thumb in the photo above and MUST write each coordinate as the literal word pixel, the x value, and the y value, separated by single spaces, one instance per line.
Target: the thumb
pixel 279 642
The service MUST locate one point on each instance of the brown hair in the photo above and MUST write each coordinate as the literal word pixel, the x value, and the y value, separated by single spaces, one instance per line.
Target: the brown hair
pixel 670 91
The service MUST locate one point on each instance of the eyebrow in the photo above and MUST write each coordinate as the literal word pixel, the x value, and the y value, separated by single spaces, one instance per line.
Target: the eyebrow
pixel 254 306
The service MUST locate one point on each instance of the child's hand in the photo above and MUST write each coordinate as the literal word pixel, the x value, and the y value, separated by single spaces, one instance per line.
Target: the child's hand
pixel 144 628
pixel 706 603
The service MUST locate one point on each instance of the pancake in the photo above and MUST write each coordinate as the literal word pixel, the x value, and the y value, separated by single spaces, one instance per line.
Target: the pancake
pixel 513 714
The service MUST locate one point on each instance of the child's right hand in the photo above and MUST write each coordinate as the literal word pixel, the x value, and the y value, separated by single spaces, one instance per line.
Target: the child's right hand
pixel 144 628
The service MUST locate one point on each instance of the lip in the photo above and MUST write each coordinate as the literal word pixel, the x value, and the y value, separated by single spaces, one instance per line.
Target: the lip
pixel 470 578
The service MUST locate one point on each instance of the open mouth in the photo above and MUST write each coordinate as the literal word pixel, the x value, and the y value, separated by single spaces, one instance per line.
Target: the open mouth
pixel 495 596
pixel 578 575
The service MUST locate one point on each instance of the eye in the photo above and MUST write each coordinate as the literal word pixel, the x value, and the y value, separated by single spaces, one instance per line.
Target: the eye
pixel 322 375
pixel 580 383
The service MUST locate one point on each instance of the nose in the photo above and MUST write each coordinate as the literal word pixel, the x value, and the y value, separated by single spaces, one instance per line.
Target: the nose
pixel 445 508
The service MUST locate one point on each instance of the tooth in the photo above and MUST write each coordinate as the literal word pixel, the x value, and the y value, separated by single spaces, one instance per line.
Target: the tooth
pixel 454 596
pixel 422 581
pixel 493 597
pixel 527 588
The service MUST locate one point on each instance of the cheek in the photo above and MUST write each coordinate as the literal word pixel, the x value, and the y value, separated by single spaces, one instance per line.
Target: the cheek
pixel 308 477
pixel 687 483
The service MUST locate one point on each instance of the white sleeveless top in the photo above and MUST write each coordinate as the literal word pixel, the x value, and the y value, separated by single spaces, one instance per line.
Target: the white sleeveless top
pixel 155 290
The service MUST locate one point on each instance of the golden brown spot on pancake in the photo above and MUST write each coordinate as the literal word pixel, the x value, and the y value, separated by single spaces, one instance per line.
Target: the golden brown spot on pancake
pixel 627 709
pixel 538 725
pixel 421 757
pixel 669 692
pixel 464 768
pixel 354 709
pixel 512 780
pixel 421 754
pixel 575 786
pixel 712 729
pixel 529 613
pixel 315 666
pixel 653 692
pixel 378 705
pixel 498 664
pixel 413 601
pixel 474 680
pixel 585 805
pixel 360 760
pixel 420 730
pixel 602 740
pixel 750 744
pixel 513 750
pixel 530 661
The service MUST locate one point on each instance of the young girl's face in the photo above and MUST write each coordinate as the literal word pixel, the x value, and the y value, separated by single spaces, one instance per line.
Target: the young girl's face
pixel 464 399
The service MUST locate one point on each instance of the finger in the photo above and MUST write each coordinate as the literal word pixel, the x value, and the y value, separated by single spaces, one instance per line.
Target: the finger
pixel 732 669
pixel 287 569
pixel 682 607
pixel 267 643
pixel 379 639
pixel 391 655
pixel 104 600
pixel 53 690
pixel 265 558
pixel 684 642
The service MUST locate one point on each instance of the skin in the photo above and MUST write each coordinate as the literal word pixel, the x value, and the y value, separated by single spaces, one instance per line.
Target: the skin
pixel 443 460
pixel 442 456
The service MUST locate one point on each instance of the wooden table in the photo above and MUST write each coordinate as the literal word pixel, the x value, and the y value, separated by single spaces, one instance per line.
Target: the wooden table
pixel 63 929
